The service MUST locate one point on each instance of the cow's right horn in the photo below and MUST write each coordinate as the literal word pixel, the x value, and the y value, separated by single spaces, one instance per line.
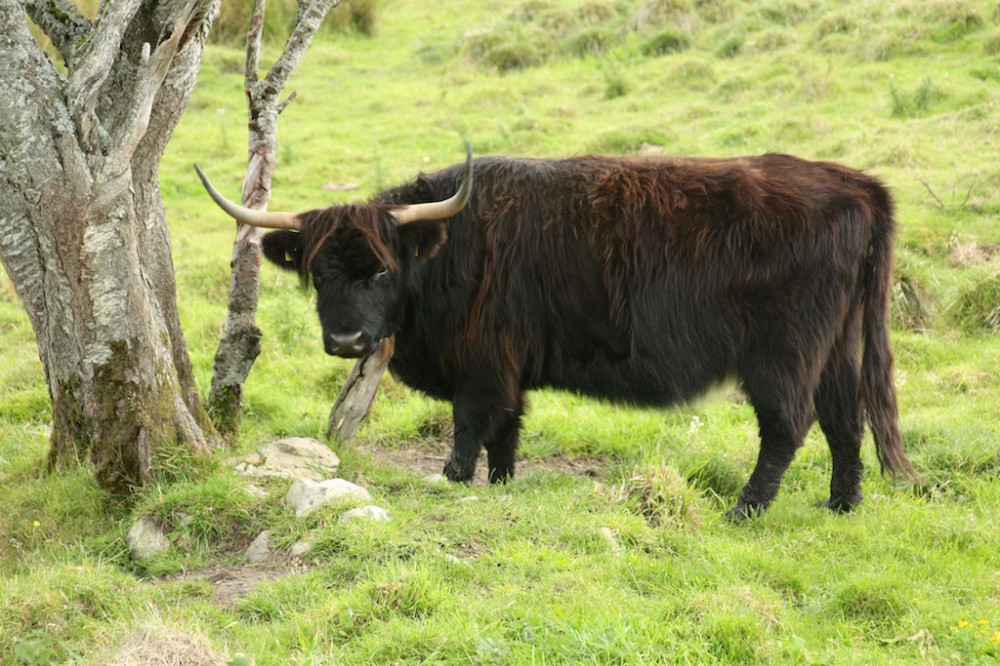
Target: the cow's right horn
pixel 244 215
pixel 440 210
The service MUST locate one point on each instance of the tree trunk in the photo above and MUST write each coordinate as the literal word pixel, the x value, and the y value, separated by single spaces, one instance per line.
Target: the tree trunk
pixel 240 343
pixel 83 236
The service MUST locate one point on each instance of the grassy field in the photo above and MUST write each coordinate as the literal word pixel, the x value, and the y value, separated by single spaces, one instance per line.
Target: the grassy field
pixel 609 547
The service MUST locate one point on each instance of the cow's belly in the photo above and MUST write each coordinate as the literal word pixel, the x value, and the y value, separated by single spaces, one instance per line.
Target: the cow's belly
pixel 644 377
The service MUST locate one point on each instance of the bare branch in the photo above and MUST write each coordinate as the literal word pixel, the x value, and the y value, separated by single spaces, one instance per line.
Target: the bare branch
pixel 940 204
pixel 62 24
pixel 288 100
pixel 251 76
pixel 968 193
pixel 298 42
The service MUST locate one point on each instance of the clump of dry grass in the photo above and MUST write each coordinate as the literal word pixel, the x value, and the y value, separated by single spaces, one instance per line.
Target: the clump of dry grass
pixel 662 496
pixel 161 645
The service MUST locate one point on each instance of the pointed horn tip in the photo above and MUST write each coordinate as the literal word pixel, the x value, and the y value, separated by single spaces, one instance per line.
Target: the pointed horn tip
pixel 201 175
pixel 440 210
pixel 248 216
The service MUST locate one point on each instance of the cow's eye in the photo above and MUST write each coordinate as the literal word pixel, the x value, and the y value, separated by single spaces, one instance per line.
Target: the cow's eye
pixel 381 274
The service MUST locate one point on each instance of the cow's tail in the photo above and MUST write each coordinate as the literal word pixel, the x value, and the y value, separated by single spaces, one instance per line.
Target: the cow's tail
pixel 877 388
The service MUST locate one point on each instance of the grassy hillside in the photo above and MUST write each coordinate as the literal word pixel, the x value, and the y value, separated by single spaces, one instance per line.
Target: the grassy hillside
pixel 609 547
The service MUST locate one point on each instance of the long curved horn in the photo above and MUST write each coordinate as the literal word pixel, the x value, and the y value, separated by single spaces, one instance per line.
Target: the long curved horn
pixel 440 210
pixel 244 215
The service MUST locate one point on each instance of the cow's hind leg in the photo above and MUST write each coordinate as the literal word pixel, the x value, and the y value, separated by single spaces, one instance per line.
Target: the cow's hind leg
pixel 838 408
pixel 783 403
pixel 484 422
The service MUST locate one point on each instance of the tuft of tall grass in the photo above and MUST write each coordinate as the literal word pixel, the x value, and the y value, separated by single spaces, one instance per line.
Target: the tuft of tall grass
pixel 668 40
pixel 661 495
pixel 977 309
pixel 680 14
pixel 916 102
pixel 950 20
pixel 877 604
pixel 592 41
pixel 910 305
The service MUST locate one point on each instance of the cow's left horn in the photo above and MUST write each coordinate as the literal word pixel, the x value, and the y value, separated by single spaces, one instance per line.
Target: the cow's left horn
pixel 244 215
pixel 440 210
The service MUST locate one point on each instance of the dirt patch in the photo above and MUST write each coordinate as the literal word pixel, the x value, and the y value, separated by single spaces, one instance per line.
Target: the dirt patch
pixel 232 583
pixel 429 457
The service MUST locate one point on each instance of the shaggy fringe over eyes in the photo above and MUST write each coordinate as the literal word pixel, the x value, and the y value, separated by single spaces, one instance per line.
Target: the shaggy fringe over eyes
pixel 372 221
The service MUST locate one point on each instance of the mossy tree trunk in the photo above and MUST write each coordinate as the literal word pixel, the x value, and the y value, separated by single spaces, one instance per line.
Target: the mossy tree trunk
pixel 83 235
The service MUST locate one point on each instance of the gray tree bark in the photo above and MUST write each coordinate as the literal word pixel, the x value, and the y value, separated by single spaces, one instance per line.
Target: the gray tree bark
pixel 240 343
pixel 83 235
pixel 356 397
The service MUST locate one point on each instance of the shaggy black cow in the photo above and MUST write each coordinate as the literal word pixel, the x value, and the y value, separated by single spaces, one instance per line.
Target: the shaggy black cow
pixel 632 279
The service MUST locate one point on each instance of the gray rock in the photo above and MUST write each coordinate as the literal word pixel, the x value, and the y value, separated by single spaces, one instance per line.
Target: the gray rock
pixel 260 549
pixel 146 539
pixel 291 458
pixel 369 512
pixel 435 479
pixel 301 548
pixel 306 496
pixel 256 493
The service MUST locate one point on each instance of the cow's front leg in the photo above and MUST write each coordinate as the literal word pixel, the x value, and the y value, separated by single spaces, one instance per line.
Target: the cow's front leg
pixel 481 422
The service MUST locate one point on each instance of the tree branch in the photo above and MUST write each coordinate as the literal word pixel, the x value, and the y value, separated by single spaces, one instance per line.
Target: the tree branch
pixel 155 65
pixel 62 24
pixel 93 65
pixel 298 42
pixel 356 397
pixel 288 100
pixel 251 76
pixel 940 204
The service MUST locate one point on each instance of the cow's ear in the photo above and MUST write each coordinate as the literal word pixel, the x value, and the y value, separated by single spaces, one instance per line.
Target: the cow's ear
pixel 284 249
pixel 422 239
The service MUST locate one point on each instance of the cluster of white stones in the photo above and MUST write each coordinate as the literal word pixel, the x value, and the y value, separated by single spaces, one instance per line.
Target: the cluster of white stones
pixel 311 465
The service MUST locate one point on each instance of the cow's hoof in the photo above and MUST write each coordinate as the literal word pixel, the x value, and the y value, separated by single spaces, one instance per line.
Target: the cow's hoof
pixel 743 511
pixel 501 475
pixel 840 505
pixel 457 474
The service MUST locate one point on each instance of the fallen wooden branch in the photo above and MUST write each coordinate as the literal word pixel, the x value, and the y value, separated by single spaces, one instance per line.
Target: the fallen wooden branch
pixel 358 394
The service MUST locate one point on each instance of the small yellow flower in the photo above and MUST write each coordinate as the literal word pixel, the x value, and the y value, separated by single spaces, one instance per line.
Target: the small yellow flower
pixel 36 524
pixel 983 623
pixel 964 623
pixel 996 637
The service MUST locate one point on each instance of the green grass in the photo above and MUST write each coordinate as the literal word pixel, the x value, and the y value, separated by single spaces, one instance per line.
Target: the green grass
pixel 635 565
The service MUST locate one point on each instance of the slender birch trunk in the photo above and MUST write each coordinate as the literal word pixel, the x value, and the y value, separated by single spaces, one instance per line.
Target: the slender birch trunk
pixel 240 343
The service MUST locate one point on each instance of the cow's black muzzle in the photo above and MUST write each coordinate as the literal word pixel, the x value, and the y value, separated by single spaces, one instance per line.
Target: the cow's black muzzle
pixel 349 345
